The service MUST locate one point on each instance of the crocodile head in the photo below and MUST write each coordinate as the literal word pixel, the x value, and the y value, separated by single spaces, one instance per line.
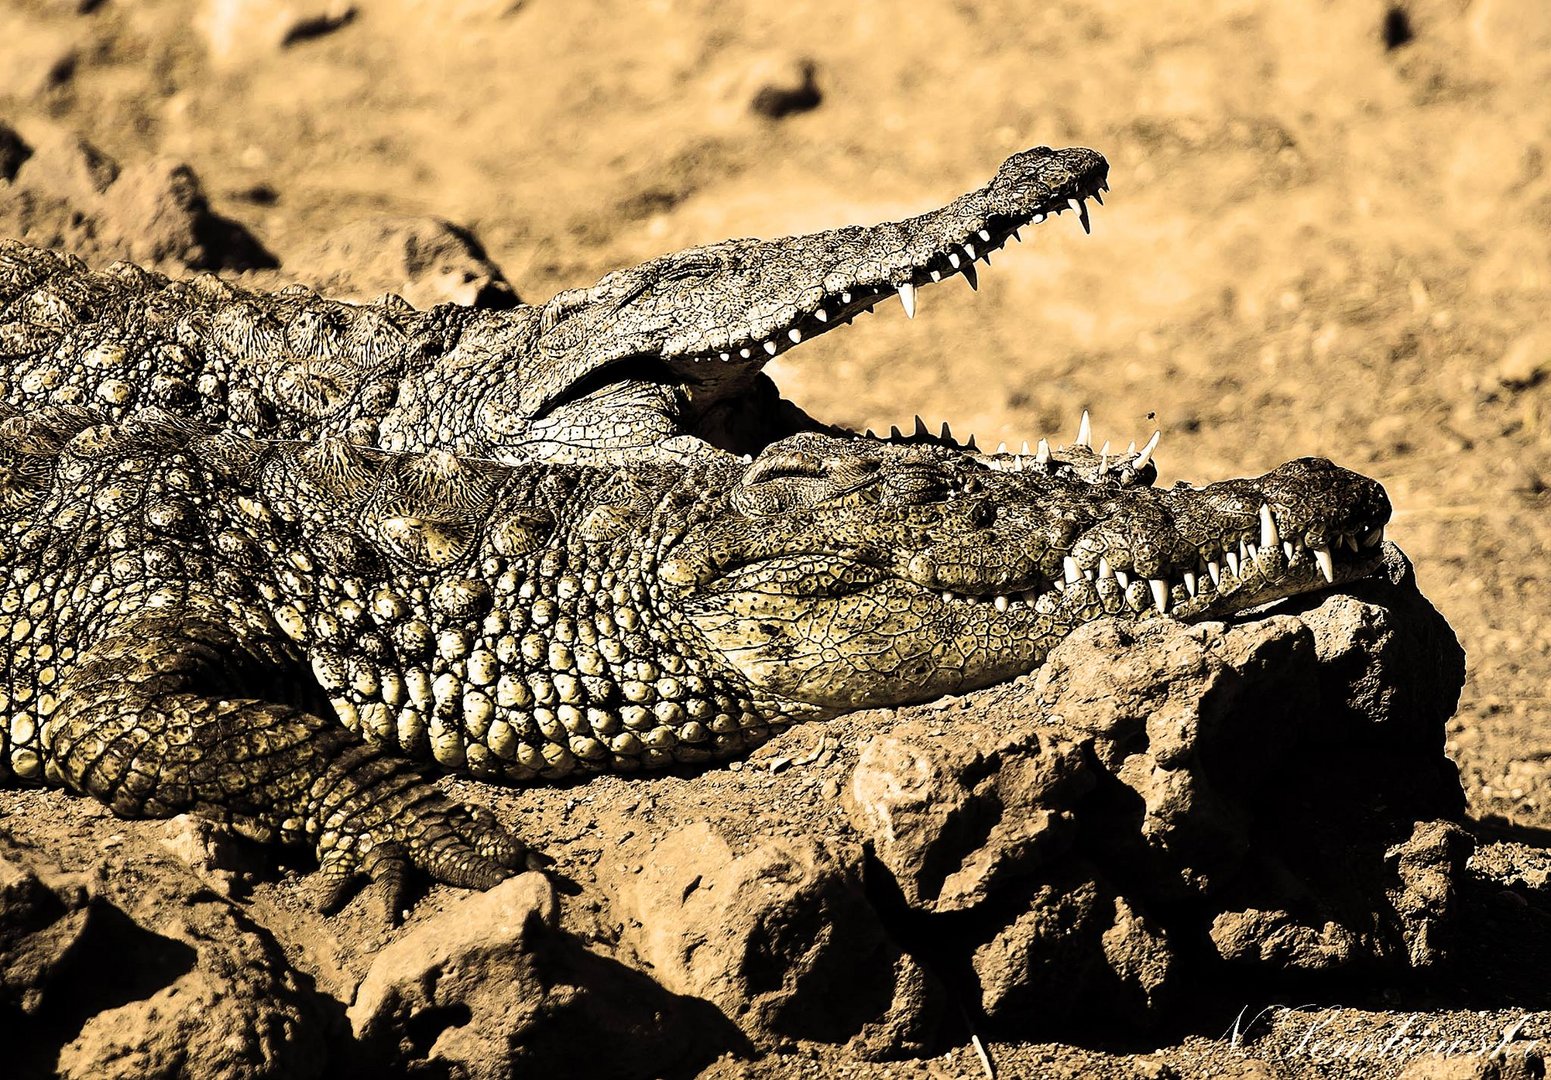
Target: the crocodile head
pixel 851 573
pixel 675 346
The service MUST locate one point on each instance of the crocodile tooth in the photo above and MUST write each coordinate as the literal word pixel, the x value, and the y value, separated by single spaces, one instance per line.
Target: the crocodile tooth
pixel 1059 584
pixel 1160 594
pixel 1269 537
pixel 986 255
pixel 1070 569
pixel 1037 218
pixel 1131 450
pixel 1043 457
pixel 771 347
pixel 907 298
pixel 745 353
pixel 845 298
pixel 1146 455
pixel 1232 558
pixel 1287 549
pixel 725 357
pixel 1082 213
pixel 1029 596
pixel 895 433
pixel 1001 603
pixel 1017 234
pixel 1376 536
pixel 936 275
pixel 970 276
pixel 947 432
pixel 1017 463
pixel 870 435
pixel 920 428
pixel 969 249
pixel 1084 431
pixel 946 596
pixel 1104 570
pixel 1214 568
pixel 1098 198
pixel 984 235
pixel 953 259
pixel 1327 565
pixel 795 334
pixel 821 315
pixel 969 444
pixel 1248 551
pixel 1123 579
pixel 1190 582
pixel 1001 448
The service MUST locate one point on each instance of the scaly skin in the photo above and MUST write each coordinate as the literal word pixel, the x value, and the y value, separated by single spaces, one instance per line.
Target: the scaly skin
pixel 665 356
pixel 262 632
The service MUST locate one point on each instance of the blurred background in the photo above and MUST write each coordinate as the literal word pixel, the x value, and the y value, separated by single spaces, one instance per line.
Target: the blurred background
pixel 1329 231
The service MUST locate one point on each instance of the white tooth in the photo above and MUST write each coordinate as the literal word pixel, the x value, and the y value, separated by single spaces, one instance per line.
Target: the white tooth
pixel 1025 450
pixel 1248 551
pixel 1287 549
pixel 936 275
pixel 771 347
pixel 1017 463
pixel 726 356
pixel 821 315
pixel 986 236
pixel 795 334
pixel 1028 597
pixel 1070 569
pixel 745 353
pixel 907 297
pixel 1001 448
pixel 1037 218
pixel 845 298
pixel 969 249
pixel 946 596
pixel 1269 537
pixel 1190 582
pixel 1146 455
pixel 1060 585
pixel 748 459
pixel 1327 565
pixel 1214 568
pixel 1104 570
pixel 953 259
pixel 1131 450
pixel 1123 578
pixel 1160 594
pixel 1043 457
pixel 1084 430
pixel 1001 603
pixel 1232 558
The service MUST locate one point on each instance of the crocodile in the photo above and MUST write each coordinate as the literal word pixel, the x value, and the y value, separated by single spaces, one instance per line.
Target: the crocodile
pixel 288 637
pixel 661 358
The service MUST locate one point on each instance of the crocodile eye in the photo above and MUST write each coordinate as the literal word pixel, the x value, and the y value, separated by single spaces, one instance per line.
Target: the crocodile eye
pixel 784 465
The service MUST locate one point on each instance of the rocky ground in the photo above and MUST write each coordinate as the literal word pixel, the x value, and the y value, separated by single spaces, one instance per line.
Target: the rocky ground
pixel 1329 232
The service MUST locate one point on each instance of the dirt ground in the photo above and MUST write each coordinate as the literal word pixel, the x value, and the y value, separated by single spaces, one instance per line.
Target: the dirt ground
pixel 1329 233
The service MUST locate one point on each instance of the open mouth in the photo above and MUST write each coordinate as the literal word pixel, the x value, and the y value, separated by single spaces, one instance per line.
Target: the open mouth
pixel 964 237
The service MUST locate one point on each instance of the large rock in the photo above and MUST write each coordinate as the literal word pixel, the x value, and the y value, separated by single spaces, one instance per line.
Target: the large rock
pixel 782 938
pixel 157 978
pixel 491 988
pixel 425 260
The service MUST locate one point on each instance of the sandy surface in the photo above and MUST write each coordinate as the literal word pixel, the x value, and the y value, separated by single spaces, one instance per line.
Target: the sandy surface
pixel 1329 231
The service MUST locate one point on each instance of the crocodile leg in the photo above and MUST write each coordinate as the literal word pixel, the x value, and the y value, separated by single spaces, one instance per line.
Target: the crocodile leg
pixel 170 714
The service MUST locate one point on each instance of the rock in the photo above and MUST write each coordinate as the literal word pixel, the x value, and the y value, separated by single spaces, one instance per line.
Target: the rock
pixel 783 86
pixel 144 973
pixel 1526 361
pixel 65 166
pixel 952 813
pixel 1429 868
pixel 782 939
pixel 491 988
pixel 12 152
pixel 156 212
pixel 241 31
pixel 425 260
